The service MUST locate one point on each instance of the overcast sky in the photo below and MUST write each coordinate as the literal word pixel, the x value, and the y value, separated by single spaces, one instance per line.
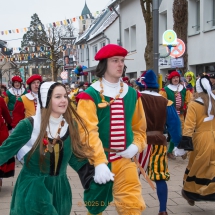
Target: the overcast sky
pixel 17 13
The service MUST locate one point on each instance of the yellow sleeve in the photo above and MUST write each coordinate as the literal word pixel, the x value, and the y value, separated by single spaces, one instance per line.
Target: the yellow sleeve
pixel 190 121
pixel 163 93
pixel 6 99
pixel 87 111
pixel 188 97
pixel 139 126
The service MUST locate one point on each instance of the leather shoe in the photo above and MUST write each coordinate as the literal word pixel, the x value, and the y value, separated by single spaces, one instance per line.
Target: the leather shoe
pixel 189 201
pixel 163 213
pixel 171 156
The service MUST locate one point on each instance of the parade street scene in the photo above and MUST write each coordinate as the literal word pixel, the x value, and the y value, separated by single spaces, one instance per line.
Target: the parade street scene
pixel 107 107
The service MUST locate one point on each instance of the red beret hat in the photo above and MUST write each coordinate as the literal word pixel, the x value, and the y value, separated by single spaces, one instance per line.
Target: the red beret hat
pixel 17 78
pixel 125 78
pixel 109 51
pixel 173 74
pixel 33 78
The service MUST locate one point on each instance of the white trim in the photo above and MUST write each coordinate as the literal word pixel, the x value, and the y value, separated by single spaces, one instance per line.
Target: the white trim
pixel 150 93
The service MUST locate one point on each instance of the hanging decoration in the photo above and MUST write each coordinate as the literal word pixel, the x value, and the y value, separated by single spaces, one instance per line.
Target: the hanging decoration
pixel 52 24
pixel 79 70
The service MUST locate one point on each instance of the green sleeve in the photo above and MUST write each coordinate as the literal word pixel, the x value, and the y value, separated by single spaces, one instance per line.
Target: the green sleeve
pixel 76 163
pixel 19 137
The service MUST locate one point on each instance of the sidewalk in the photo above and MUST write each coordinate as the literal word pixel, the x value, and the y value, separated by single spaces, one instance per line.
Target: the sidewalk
pixel 176 204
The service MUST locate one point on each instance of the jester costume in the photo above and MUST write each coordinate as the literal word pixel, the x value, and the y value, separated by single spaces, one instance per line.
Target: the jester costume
pixel 180 98
pixel 114 128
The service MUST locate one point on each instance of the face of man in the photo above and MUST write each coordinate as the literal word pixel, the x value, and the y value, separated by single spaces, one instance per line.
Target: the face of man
pixel 115 66
pixel 17 84
pixel 67 89
pixel 35 86
pixel 175 80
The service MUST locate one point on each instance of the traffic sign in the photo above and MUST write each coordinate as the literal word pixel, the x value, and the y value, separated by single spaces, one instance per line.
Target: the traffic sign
pixel 178 50
pixel 169 37
pixel 64 75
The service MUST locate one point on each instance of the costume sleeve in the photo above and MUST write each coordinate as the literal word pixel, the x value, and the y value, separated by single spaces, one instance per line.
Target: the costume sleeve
pixel 5 112
pixel 190 121
pixel 18 112
pixel 173 124
pixel 163 93
pixel 76 163
pixel 87 111
pixel 18 138
pixel 139 126
pixel 6 99
pixel 188 96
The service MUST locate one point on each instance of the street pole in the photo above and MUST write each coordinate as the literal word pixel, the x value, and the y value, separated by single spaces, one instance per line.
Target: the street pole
pixel 155 15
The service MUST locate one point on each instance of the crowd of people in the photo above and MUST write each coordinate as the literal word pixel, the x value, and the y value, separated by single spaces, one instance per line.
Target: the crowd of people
pixel 107 130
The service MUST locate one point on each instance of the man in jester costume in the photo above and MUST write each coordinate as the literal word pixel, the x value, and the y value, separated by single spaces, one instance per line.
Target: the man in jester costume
pixel 14 93
pixel 26 104
pixel 180 97
pixel 160 112
pixel 116 122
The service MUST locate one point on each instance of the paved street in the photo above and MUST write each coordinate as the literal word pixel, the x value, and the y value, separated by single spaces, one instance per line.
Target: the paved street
pixel 176 204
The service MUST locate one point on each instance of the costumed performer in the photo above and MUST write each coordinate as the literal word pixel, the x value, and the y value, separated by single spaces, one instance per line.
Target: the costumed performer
pixel 199 126
pixel 48 141
pixel 159 112
pixel 180 97
pixel 26 105
pixel 116 122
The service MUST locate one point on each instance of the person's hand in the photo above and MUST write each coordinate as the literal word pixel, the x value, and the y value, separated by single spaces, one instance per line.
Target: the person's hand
pixel 129 152
pixel 178 152
pixel 103 174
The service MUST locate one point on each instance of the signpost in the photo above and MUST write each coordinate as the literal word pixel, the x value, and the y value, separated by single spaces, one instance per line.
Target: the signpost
pixel 178 50
pixel 177 62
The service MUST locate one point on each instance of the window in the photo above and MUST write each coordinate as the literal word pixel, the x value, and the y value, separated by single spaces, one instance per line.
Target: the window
pixel 198 15
pixel 213 13
pixel 82 55
pixel 126 39
pixel 84 27
pixel 132 75
pixel 133 38
pixel 95 49
pixel 102 44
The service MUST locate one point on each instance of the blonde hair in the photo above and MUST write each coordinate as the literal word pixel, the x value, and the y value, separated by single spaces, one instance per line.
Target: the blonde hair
pixel 72 118
pixel 205 98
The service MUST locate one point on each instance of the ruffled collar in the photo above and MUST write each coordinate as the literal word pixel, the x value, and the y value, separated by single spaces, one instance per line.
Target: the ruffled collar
pixel 109 84
pixel 174 88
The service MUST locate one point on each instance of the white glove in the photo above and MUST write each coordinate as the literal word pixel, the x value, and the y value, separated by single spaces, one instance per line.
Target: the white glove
pixel 129 152
pixel 178 152
pixel 103 174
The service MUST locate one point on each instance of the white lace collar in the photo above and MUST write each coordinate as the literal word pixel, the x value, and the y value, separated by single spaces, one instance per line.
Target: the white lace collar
pixel 30 96
pixel 174 88
pixel 110 89
pixel 19 92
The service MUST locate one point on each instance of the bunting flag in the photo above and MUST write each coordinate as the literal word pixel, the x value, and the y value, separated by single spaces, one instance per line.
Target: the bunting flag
pixel 50 25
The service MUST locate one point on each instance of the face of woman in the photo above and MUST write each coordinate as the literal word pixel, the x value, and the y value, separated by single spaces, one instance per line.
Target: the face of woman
pixel 17 84
pixel 59 101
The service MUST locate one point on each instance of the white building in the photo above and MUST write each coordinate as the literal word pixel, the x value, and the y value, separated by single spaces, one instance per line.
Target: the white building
pixel 201 34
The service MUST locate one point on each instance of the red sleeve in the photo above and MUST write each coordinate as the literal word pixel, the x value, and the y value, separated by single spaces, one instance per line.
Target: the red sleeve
pixel 84 95
pixel 5 112
pixel 4 93
pixel 162 89
pixel 18 113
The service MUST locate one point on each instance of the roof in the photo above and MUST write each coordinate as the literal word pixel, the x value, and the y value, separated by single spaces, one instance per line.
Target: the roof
pixel 96 24
pixel 109 21
pixel 86 11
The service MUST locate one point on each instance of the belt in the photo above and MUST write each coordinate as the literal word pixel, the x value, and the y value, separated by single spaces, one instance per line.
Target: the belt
pixel 152 133
pixel 138 166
